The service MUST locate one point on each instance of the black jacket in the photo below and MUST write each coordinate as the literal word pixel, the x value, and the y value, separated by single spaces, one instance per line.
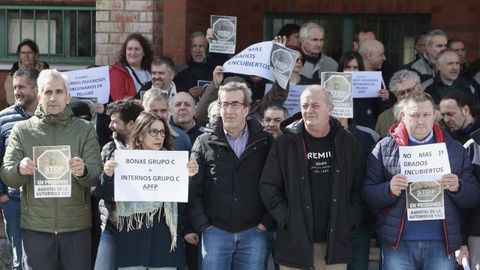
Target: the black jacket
pixel 285 190
pixel 224 193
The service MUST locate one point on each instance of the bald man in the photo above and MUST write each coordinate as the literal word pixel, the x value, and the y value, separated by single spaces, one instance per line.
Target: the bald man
pixel 373 54
pixel 305 190
pixel 182 107
pixel 366 110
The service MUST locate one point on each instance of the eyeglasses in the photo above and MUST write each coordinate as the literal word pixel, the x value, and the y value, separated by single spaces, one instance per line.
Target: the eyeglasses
pixel 27 53
pixel 235 105
pixel 406 91
pixel 154 132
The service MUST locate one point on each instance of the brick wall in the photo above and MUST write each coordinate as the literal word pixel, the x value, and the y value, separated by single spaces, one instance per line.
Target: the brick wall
pixel 116 19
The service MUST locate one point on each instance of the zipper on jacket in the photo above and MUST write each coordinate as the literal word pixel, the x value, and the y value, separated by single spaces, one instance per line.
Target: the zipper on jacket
pixel 446 235
pixel 85 204
pixel 401 228
pixel 26 197
pixel 55 226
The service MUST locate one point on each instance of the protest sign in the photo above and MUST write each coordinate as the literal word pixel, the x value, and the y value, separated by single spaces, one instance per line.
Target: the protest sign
pixel 424 162
pixel 366 84
pixel 254 60
pixel 148 175
pixel 282 61
pixel 52 179
pixel 224 34
pixel 292 103
pixel 90 82
pixel 425 201
pixel 339 85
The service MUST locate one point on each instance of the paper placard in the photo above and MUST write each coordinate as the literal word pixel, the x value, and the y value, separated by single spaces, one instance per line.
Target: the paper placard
pixel 428 162
pixel 90 82
pixel 53 178
pixel 254 60
pixel 224 34
pixel 150 175
pixel 339 85
pixel 282 62
pixel 425 201
pixel 366 84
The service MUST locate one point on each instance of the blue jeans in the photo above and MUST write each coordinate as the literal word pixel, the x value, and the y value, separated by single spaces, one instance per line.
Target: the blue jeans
pixel 417 255
pixel 11 216
pixel 245 250
pixel 107 249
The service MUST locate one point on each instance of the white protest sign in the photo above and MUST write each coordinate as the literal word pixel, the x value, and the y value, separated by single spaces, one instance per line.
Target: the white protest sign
pixel 426 162
pixel 282 61
pixel 292 103
pixel 148 175
pixel 366 84
pixel 254 60
pixel 224 34
pixel 90 82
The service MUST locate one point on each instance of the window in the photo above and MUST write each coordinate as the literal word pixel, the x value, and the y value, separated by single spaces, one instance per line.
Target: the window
pixel 64 34
pixel 397 32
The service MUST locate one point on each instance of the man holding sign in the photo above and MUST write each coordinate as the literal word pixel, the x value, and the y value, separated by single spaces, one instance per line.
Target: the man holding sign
pixel 415 241
pixel 56 217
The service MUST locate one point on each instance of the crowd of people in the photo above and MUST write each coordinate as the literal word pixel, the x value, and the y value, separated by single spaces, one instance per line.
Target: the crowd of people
pixel 308 189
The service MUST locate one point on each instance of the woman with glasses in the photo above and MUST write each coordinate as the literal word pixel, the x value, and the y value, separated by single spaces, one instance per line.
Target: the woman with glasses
pixel 150 234
pixel 27 52
pixel 131 72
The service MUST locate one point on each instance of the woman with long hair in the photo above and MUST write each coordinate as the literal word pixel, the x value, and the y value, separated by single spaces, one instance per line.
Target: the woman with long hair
pixel 27 52
pixel 150 234
pixel 131 71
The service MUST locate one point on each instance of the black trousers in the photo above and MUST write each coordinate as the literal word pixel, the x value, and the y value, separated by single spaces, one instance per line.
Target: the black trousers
pixel 64 251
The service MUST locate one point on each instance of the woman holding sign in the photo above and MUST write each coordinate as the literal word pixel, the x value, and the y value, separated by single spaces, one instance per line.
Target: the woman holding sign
pixel 149 233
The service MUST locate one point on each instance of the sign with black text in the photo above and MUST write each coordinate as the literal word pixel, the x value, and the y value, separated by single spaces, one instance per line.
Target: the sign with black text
pixel 150 175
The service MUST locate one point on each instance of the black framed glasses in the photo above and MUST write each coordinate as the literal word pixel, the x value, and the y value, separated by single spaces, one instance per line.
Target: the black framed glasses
pixel 405 92
pixel 154 132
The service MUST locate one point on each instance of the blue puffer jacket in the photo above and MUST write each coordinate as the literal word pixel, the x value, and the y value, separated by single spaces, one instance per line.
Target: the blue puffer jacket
pixel 8 117
pixel 383 164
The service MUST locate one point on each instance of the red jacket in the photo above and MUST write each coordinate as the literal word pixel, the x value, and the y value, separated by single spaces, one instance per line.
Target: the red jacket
pixel 121 83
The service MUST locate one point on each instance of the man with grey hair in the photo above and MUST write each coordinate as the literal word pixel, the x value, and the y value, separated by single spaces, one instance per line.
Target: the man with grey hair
pixel 25 93
pixel 448 79
pixel 198 70
pixel 402 84
pixel 436 41
pixel 312 38
pixel 312 195
pixel 55 225
pixel 224 201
